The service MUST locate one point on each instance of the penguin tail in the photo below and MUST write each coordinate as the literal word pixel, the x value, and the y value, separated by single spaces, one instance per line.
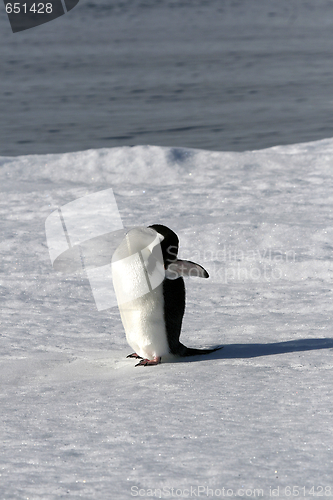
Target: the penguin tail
pixel 190 351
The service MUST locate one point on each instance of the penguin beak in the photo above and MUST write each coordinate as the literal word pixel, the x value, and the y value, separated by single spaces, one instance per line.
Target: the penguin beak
pixel 180 268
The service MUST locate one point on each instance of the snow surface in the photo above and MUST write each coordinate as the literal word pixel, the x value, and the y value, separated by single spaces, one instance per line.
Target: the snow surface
pixel 80 421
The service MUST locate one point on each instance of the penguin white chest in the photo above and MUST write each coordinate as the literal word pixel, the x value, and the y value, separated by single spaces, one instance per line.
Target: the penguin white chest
pixel 143 320
pixel 138 274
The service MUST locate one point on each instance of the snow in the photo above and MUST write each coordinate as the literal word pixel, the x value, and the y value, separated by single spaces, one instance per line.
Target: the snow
pixel 80 421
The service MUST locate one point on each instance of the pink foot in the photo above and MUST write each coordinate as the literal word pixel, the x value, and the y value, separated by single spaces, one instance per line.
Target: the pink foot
pixel 134 355
pixel 150 362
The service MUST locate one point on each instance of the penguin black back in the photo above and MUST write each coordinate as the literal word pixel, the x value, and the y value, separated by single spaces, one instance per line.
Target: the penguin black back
pixel 174 309
pixel 174 296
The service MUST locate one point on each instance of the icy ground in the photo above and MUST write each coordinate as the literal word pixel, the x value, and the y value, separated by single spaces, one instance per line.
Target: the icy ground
pixel 78 420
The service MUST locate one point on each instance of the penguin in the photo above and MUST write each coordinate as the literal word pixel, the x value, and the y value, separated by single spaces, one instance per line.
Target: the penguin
pixel 150 290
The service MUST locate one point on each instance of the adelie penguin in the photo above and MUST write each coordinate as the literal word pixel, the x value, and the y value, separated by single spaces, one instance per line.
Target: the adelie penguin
pixel 150 291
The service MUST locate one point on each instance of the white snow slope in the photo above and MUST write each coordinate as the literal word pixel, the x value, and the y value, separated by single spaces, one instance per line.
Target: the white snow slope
pixel 78 420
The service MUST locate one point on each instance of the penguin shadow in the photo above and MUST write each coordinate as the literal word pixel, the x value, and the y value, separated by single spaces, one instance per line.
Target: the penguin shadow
pixel 243 351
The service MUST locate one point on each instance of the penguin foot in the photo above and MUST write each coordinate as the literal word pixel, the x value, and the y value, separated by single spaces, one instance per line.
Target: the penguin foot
pixel 150 362
pixel 134 355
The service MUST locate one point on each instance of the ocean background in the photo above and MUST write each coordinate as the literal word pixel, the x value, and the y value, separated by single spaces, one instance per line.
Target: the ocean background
pixel 229 75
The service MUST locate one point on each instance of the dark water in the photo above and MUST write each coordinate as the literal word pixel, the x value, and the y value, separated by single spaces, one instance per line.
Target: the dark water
pixel 212 74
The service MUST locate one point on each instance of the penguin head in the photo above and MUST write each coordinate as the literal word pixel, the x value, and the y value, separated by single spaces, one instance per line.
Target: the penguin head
pixel 174 267
pixel 169 244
